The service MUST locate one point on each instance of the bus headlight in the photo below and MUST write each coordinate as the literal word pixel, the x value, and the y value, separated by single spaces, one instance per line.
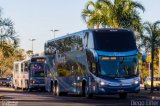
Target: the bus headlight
pixel 33 82
pixel 135 82
pixel 102 83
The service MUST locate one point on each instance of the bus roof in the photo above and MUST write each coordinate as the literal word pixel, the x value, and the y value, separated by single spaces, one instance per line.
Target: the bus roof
pixel 39 57
pixel 102 29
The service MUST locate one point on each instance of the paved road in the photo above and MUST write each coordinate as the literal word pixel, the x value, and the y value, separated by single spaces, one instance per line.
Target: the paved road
pixel 19 98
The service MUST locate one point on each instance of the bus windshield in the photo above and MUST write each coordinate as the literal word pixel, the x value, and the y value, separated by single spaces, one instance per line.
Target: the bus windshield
pixel 37 69
pixel 114 41
pixel 118 68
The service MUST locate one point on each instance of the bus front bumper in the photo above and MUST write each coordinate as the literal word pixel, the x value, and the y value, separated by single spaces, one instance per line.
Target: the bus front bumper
pixel 37 86
pixel 116 90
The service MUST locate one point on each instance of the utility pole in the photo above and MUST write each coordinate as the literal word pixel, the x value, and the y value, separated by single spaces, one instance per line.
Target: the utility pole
pixel 55 30
pixel 32 42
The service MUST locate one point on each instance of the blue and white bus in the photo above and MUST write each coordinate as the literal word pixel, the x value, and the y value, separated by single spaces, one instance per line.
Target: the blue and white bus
pixel 20 74
pixel 37 69
pixel 94 62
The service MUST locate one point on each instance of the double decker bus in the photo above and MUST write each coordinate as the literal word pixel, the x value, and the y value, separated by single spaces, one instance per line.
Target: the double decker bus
pixel 94 62
pixel 37 67
pixel 20 74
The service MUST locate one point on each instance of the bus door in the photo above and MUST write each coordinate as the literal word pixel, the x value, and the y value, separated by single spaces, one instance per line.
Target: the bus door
pixel 47 77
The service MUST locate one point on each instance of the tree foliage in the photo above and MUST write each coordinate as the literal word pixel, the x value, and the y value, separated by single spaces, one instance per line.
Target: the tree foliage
pixel 150 40
pixel 116 14
pixel 8 45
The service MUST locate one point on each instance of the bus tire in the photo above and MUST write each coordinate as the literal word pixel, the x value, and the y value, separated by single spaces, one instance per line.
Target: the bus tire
pixel 85 91
pixel 123 95
pixel 145 88
pixel 87 94
pixel 56 90
pixel 30 89
pixel 84 88
pixel 51 88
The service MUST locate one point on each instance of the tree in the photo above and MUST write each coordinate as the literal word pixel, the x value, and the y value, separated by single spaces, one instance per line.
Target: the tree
pixel 29 53
pixel 92 14
pixel 119 14
pixel 124 13
pixel 7 35
pixel 6 63
pixel 8 45
pixel 150 40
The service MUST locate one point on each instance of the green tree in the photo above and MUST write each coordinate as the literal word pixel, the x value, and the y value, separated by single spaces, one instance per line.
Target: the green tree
pixel 123 13
pixel 7 35
pixel 92 14
pixel 150 40
pixel 117 14
pixel 8 45
pixel 6 63
pixel 29 53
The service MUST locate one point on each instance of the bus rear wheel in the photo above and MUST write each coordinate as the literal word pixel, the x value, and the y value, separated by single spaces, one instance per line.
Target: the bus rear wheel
pixel 56 90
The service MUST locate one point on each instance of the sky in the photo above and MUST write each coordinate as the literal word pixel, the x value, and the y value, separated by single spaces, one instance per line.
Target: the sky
pixel 34 19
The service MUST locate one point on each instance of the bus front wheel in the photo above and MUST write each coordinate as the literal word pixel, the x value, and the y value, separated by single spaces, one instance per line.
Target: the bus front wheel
pixel 30 89
pixel 87 94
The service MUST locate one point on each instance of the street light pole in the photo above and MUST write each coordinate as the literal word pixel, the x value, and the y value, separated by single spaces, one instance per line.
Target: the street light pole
pixel 32 42
pixel 55 30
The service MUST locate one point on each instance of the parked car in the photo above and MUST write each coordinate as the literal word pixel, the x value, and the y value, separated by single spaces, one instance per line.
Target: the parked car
pixel 5 82
pixel 156 83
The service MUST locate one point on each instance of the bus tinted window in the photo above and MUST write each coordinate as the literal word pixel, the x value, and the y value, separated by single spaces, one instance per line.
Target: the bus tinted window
pixel 37 69
pixel 114 41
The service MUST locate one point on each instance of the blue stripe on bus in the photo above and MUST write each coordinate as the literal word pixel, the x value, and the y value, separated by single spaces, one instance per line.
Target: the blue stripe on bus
pixel 134 52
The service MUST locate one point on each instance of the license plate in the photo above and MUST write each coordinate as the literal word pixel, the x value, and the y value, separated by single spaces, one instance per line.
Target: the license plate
pixel 120 90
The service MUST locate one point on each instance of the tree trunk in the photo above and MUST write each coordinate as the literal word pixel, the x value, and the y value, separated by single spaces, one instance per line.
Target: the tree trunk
pixel 152 68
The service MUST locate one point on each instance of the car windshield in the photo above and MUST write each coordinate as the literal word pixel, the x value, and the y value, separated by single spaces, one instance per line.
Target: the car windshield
pixel 118 68
pixel 114 41
pixel 37 69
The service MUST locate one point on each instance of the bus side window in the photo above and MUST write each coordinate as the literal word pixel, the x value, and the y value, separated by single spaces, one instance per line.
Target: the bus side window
pixel 47 70
pixel 86 40
pixel 91 62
